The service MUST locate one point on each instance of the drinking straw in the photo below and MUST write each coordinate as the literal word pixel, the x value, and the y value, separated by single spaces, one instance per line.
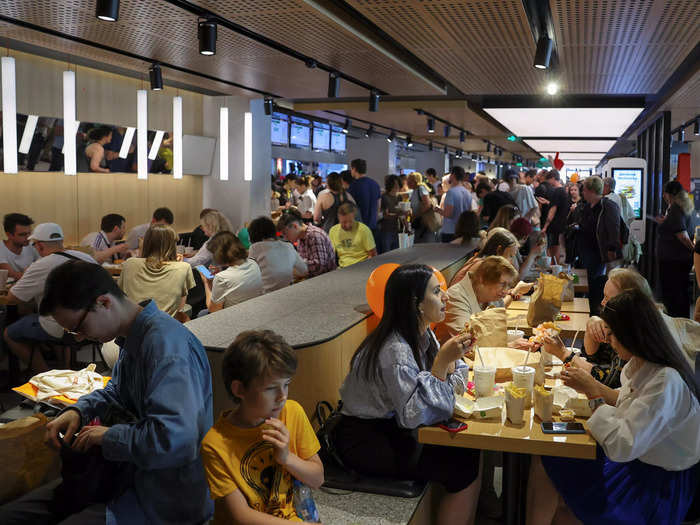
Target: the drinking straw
pixel 572 342
pixel 478 351
pixel 527 356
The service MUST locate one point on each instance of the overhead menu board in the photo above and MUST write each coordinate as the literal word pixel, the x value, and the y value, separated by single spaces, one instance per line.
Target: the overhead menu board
pixel 338 140
pixel 279 129
pixel 322 136
pixel 300 132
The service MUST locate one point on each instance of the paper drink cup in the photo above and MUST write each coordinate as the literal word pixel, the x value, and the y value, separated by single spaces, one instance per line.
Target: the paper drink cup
pixel 484 380
pixel 524 377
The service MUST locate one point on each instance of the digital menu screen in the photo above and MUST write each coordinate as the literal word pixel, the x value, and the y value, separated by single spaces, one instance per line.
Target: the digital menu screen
pixel 280 129
pixel 322 136
pixel 300 133
pixel 338 139
pixel 628 182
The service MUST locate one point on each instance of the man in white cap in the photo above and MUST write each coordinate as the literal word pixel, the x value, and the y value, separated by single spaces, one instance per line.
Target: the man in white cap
pixel 47 238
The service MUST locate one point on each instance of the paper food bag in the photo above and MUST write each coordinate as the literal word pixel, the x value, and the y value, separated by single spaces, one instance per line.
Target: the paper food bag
pixel 545 303
pixel 405 240
pixel 544 403
pixel 490 327
pixel 567 295
pixel 515 403
pixel 539 372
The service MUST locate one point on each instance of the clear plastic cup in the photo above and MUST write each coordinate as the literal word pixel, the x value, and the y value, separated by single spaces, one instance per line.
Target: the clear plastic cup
pixel 514 335
pixel 180 249
pixel 3 279
pixel 524 377
pixel 484 380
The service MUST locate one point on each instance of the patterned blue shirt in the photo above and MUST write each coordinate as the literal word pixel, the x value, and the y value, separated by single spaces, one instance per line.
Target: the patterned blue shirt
pixel 163 378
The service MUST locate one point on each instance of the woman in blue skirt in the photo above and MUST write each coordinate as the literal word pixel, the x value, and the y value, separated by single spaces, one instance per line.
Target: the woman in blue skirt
pixel 646 471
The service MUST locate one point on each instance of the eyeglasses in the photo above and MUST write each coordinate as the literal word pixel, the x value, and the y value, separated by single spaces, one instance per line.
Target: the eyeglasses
pixel 76 330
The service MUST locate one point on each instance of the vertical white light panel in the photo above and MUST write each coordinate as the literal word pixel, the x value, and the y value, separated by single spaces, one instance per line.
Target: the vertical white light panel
pixel 155 146
pixel 126 143
pixel 9 115
pixel 28 134
pixel 142 133
pixel 248 146
pixel 69 123
pixel 177 137
pixel 76 125
pixel 223 144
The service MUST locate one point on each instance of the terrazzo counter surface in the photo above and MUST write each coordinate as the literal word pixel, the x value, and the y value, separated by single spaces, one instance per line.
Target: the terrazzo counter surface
pixel 315 310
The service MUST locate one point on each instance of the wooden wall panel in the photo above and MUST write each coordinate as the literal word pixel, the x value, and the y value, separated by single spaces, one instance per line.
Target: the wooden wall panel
pixel 78 203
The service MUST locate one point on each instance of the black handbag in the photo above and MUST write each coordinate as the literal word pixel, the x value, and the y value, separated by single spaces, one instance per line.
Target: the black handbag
pixel 88 478
pixel 328 420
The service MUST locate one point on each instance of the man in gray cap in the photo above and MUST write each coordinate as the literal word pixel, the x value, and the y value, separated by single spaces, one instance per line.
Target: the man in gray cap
pixel 47 238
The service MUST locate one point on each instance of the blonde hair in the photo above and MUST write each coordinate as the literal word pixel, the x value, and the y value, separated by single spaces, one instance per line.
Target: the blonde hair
pixel 505 215
pixel 493 267
pixel 627 279
pixel 216 222
pixel 498 238
pixel 159 246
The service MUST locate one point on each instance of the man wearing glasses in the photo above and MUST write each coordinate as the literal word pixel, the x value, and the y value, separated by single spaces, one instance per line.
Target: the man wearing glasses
pixel 162 379
pixel 47 239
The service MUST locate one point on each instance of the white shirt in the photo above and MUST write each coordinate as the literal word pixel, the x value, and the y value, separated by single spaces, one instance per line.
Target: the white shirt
pixel 656 419
pixel 31 285
pixel 277 261
pixel 461 305
pixel 237 284
pixel 18 262
pixel 203 257
pixel 307 202
pixel 136 233
pixel 89 239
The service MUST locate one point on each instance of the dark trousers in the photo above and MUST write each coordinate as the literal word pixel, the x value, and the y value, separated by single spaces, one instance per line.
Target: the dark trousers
pixel 387 241
pixel 56 159
pixel 447 237
pixel 597 278
pixel 379 447
pixel 37 145
pixel 675 288
pixel 33 509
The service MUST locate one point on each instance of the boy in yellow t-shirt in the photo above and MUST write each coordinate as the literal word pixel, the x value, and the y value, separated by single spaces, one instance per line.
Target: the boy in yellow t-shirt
pixel 353 241
pixel 253 453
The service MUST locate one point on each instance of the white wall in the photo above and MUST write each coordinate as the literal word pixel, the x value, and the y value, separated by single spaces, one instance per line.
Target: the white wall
pixel 377 152
pixel 239 200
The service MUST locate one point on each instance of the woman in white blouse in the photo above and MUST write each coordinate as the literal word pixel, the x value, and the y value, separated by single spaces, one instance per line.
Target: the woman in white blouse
pixel 212 223
pixel 646 470
pixel 307 197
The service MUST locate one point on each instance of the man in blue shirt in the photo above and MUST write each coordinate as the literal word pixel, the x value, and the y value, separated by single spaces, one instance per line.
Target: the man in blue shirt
pixel 457 200
pixel 162 379
pixel 366 193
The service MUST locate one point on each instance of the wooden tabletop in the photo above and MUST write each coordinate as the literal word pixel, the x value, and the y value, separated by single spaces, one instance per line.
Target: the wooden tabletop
pixel 577 322
pixel 504 436
pixel 578 305
pixel 582 285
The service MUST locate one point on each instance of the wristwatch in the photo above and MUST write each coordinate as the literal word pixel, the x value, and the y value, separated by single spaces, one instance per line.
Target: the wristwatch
pixel 595 403
pixel 569 358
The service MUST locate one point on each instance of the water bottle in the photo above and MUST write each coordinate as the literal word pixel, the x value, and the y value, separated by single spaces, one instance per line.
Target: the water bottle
pixel 304 503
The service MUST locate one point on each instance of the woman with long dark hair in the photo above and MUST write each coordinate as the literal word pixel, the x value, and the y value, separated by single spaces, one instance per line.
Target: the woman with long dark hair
pixel 646 470
pixel 400 379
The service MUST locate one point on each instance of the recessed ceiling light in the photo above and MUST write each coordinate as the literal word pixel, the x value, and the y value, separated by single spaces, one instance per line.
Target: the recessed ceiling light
pixel 552 88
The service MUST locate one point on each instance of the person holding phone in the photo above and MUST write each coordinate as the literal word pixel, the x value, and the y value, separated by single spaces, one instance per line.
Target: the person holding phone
pixel 646 470
pixel 240 279
pixel 400 378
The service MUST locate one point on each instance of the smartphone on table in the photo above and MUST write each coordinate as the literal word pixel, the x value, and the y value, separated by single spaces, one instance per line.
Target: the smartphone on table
pixel 556 427
pixel 205 271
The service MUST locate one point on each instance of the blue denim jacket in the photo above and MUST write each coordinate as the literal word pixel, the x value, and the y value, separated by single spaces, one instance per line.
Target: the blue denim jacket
pixel 163 378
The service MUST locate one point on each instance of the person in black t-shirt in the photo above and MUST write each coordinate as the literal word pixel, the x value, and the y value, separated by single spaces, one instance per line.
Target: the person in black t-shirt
pixel 492 200
pixel 554 223
pixel 696 259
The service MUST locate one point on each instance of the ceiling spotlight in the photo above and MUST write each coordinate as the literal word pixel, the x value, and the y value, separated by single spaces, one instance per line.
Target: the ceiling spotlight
pixel 481 158
pixel 445 150
pixel 333 85
pixel 156 77
pixel 488 147
pixel 373 101
pixel 431 125
pixel 311 63
pixel 473 156
pixel 369 132
pixel 447 130
pixel 696 127
pixel 207 37
pixel 391 136
pixel 409 141
pixel 268 104
pixel 681 133
pixel 107 10
pixel 552 88
pixel 462 136
pixel 459 153
pixel 346 126
pixel 430 146
pixel 543 53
